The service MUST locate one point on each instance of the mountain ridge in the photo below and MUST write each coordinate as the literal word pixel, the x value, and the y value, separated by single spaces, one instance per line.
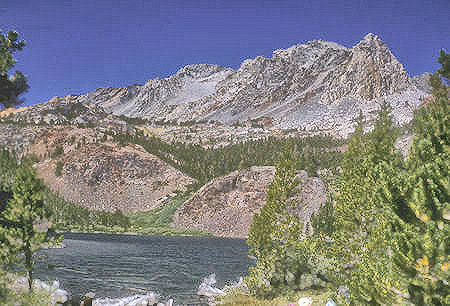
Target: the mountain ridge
pixel 314 86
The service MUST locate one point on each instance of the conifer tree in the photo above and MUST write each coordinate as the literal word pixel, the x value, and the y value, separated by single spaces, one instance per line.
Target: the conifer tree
pixel 282 187
pixel 425 259
pixel 24 221
pixel 286 258
pixel 359 237
pixel 11 86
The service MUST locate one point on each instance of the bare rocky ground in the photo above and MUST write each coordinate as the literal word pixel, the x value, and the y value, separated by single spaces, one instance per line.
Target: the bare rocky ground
pixel 95 171
pixel 226 205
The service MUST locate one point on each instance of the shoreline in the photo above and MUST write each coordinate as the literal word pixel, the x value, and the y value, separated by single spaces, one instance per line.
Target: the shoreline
pixel 128 233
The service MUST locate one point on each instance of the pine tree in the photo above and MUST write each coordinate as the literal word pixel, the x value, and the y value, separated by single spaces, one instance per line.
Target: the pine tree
pixel 11 86
pixel 360 242
pixel 425 259
pixel 282 187
pixel 287 261
pixel 24 221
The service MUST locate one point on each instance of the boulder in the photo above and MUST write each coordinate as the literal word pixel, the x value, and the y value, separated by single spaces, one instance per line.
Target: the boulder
pixel 305 301
pixel 135 300
pixel 207 288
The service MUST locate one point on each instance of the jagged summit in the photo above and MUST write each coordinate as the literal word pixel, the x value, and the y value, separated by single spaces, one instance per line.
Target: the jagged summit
pixel 371 72
pixel 371 43
pixel 317 85
pixel 370 37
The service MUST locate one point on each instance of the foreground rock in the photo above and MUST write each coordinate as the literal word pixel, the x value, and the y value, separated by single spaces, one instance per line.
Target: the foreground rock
pixel 226 205
pixel 135 300
pixel 207 288
pixel 58 295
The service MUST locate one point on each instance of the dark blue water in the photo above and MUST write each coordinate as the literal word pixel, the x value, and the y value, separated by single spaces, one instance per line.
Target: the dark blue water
pixel 121 265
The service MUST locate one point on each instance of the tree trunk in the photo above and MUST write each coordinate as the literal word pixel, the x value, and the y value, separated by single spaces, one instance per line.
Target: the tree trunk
pixel 29 266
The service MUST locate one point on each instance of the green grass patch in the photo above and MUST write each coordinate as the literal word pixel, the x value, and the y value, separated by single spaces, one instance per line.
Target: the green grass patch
pixel 157 221
pixel 158 217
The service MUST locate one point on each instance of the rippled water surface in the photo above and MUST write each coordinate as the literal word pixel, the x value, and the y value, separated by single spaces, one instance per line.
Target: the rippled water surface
pixel 120 265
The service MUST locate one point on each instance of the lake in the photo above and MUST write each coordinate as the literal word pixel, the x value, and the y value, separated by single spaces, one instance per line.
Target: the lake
pixel 113 265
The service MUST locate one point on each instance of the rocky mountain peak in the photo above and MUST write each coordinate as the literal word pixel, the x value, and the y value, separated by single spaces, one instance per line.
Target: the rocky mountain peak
pixel 371 44
pixel 371 37
pixel 371 72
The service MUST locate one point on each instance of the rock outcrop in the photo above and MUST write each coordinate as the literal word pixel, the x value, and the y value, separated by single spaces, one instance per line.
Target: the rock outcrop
pixel 226 205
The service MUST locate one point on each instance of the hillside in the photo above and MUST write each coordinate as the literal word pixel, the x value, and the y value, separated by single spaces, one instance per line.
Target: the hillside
pixel 226 205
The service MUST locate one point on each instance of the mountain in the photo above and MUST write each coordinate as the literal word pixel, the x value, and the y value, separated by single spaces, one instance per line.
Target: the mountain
pixel 122 147
pixel 317 86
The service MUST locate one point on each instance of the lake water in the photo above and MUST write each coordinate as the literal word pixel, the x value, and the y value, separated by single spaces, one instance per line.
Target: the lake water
pixel 120 265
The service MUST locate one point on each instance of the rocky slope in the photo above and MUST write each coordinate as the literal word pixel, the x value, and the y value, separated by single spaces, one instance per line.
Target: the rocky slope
pixel 159 97
pixel 226 205
pixel 421 81
pixel 317 86
pixel 67 111
pixel 87 167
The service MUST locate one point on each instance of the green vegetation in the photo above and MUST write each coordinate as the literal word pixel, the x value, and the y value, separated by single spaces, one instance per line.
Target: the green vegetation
pixel 24 221
pixel 319 297
pixel 11 86
pixel 158 217
pixel 59 150
pixel 386 231
pixel 360 239
pixel 157 221
pixel 13 297
pixel 424 258
pixel 286 263
pixel 311 154
pixel 59 167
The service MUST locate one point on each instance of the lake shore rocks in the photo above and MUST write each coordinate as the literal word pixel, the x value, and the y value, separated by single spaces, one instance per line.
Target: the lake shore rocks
pixel 58 295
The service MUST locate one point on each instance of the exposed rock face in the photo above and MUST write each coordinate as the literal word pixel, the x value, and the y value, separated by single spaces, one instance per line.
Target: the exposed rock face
pixel 369 72
pixel 226 205
pixel 317 86
pixel 421 81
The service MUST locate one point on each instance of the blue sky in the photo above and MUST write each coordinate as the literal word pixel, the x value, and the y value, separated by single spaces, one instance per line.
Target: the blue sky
pixel 77 46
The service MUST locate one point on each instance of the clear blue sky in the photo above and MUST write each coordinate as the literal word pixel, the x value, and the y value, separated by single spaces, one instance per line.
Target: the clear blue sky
pixel 77 46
